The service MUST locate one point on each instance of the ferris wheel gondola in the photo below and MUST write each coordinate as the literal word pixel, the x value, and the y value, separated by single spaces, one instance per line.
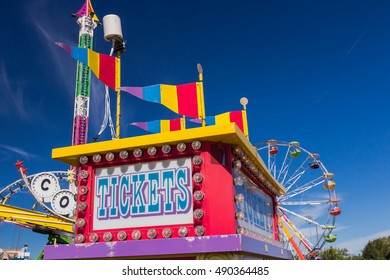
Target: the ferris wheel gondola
pixel 307 211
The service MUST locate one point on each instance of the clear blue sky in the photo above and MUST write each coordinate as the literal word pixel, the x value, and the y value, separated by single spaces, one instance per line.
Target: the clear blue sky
pixel 314 71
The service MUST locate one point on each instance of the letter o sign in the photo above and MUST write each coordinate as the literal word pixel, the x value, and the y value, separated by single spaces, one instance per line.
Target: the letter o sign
pixel 63 202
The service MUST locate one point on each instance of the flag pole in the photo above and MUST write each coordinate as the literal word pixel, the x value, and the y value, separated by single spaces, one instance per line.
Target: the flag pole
pixel 244 102
pixel 203 110
pixel 118 98
pixel 113 34
pixel 183 122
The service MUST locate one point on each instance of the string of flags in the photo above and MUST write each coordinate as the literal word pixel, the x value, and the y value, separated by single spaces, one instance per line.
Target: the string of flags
pixel 184 99
pixel 161 126
pixel 105 67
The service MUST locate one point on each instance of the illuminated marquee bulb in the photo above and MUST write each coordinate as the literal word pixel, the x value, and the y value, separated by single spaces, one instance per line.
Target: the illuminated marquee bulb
pixel 166 233
pixel 152 233
pixel 152 151
pixel 137 153
pixel 83 174
pixel 198 195
pixel 80 238
pixel 197 160
pixel 166 149
pixel 107 236
pixel 239 181
pixel 83 160
pixel 200 230
pixel 181 147
pixel 237 165
pixel 240 216
pixel 94 237
pixel 254 169
pixel 97 158
pixel 80 222
pixel 197 177
pixel 198 214
pixel 241 230
pixel 237 151
pixel 82 206
pixel 239 197
pixel 110 156
pixel 246 160
pixel 196 145
pixel 136 235
pixel 122 235
pixel 124 154
pixel 183 232
pixel 83 190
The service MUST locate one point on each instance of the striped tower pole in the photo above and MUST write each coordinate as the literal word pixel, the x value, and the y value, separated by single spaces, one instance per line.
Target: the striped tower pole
pixel 88 21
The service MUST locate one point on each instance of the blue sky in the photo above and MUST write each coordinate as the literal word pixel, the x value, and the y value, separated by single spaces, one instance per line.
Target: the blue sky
pixel 313 71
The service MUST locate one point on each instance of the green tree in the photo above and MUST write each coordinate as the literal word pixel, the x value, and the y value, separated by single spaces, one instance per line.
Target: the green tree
pixel 378 249
pixel 335 254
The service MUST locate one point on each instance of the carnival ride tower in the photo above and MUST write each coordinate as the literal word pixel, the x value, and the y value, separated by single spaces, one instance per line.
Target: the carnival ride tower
pixel 88 21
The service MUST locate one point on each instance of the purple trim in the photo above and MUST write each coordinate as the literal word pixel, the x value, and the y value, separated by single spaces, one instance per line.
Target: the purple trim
pixel 142 125
pixel 136 91
pixel 66 47
pixel 157 248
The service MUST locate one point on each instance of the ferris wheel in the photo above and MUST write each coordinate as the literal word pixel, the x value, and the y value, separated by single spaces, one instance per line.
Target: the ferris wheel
pixel 307 211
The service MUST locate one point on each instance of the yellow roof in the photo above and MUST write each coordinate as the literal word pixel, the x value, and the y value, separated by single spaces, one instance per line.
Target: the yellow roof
pixel 227 134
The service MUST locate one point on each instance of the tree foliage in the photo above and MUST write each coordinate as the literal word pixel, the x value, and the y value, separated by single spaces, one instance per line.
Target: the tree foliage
pixel 378 249
pixel 335 254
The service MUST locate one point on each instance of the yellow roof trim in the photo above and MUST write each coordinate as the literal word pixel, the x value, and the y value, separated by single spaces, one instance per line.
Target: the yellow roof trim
pixel 227 134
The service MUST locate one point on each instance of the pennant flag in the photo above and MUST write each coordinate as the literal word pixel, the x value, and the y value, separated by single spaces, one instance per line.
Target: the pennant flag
pixel 182 99
pixel 87 10
pixel 160 126
pixel 105 67
pixel 237 117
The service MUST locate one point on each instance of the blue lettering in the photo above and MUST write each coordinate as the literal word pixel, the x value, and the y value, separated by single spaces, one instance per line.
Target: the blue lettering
pixel 114 205
pixel 138 181
pixel 167 182
pixel 150 193
pixel 154 202
pixel 102 193
pixel 124 197
pixel 182 184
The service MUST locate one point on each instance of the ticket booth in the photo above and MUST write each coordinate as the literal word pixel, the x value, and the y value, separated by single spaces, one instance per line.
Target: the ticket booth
pixel 199 193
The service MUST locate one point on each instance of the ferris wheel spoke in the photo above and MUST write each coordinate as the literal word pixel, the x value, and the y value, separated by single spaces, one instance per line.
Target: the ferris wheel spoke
pixel 301 167
pixel 272 165
pixel 303 188
pixel 299 172
pixel 285 164
pixel 311 221
pixel 303 203
pixel 303 239
pixel 293 180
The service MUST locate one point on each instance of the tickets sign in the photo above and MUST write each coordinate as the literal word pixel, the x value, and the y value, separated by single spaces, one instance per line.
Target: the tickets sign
pixel 144 194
